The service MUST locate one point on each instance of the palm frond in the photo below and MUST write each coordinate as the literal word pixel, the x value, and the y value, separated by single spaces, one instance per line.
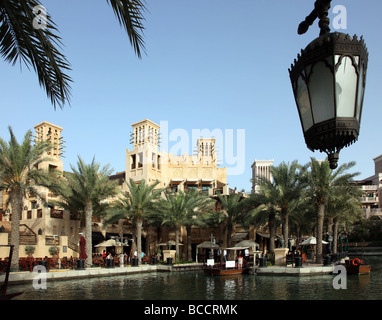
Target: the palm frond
pixel 130 16
pixel 39 48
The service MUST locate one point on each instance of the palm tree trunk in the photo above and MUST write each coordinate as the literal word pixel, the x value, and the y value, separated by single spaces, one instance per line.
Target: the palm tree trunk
pixel 335 234
pixel 298 232
pixel 272 232
pixel 189 247
pixel 88 232
pixel 17 206
pixel 320 225
pixel 229 234
pixel 177 232
pixel 329 225
pixel 139 223
pixel 285 222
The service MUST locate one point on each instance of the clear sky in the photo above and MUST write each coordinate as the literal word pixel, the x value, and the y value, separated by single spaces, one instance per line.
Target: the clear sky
pixel 210 64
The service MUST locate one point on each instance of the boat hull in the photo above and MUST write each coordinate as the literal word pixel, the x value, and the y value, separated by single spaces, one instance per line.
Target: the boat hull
pixel 224 272
pixel 356 268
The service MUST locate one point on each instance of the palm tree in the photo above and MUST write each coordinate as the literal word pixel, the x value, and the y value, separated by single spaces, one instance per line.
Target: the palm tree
pixel 20 176
pixel 234 208
pixel 302 217
pixel 181 209
pixel 38 45
pixel 263 212
pixel 343 207
pixel 83 192
pixel 323 183
pixel 174 213
pixel 199 206
pixel 286 186
pixel 138 205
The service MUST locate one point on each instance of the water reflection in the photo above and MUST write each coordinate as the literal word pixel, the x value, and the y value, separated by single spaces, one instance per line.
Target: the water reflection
pixel 198 286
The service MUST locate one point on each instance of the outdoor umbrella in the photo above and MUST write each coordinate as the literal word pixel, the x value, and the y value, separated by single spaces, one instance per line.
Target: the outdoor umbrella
pixel 312 241
pixel 169 243
pixel 109 243
pixel 247 243
pixel 205 245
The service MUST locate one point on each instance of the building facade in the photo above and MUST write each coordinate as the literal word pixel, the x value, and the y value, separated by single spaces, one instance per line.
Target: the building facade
pixel 39 224
pixel 177 173
pixel 372 191
pixel 261 169
pixel 199 171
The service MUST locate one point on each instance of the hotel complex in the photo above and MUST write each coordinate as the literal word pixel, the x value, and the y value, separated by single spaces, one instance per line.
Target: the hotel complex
pixel 39 224
pixel 372 191
pixel 46 226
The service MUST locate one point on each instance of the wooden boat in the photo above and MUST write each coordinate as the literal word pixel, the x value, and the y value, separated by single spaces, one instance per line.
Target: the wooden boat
pixel 225 269
pixel 356 266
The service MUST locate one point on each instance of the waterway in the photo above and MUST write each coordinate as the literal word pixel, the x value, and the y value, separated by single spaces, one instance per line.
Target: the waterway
pixel 195 285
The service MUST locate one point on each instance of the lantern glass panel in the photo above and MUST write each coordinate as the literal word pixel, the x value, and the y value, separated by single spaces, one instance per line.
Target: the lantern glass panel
pixel 361 91
pixel 321 91
pixel 346 85
pixel 303 102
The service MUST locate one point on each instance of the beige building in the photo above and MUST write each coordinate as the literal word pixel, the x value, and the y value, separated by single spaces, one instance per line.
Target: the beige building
pixel 199 171
pixel 261 169
pixel 178 173
pixel 145 161
pixel 372 191
pixel 39 223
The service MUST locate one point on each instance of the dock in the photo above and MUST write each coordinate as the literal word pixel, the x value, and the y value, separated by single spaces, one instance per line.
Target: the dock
pixel 70 274
pixel 306 270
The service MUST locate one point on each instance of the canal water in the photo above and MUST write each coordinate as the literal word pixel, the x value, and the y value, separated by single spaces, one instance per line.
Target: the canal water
pixel 195 285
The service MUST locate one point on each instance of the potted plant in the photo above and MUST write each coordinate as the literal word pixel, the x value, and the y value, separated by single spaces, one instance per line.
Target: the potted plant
pixel 29 251
pixel 54 253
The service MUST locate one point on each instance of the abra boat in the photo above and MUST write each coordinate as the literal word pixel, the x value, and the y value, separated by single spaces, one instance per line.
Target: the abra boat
pixel 228 268
pixel 216 271
pixel 356 266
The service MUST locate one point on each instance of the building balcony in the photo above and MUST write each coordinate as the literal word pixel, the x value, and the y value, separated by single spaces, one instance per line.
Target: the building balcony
pixel 370 188
pixel 57 214
pixel 369 199
pixel 372 212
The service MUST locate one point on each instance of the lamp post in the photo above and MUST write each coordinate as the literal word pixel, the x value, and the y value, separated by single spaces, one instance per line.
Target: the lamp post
pixel 328 80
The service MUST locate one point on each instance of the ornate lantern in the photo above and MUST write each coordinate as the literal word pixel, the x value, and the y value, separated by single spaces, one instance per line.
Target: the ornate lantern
pixel 328 80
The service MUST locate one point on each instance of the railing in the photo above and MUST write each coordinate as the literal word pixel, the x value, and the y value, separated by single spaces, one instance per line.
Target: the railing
pixel 369 199
pixel 73 246
pixel 58 214
pixel 49 240
pixel 25 239
pixel 372 212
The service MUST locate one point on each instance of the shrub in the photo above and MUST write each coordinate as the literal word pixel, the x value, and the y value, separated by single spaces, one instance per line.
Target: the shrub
pixel 53 251
pixel 30 249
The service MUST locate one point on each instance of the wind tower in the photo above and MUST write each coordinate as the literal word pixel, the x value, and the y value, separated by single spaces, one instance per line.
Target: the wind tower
pixel 46 131
pixel 144 160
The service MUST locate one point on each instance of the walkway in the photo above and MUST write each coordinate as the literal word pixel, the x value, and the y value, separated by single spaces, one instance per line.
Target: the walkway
pixel 66 274
pixel 305 270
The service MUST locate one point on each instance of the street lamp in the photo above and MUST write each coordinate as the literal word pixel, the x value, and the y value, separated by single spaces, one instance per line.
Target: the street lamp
pixel 328 80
